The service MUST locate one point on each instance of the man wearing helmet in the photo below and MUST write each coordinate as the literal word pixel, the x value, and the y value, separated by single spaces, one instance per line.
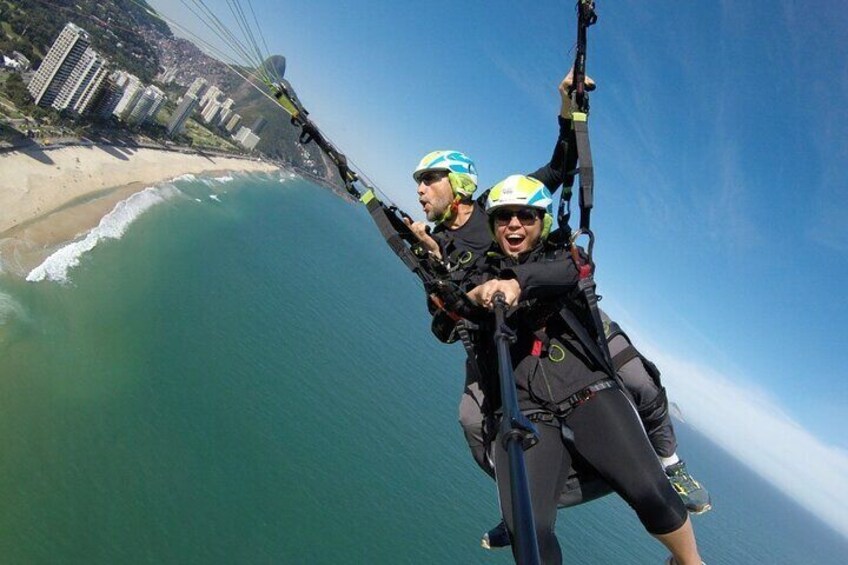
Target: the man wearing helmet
pixel 446 182
pixel 563 383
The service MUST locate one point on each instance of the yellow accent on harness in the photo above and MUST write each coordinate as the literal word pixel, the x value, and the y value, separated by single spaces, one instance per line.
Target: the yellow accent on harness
pixel 287 104
pixel 560 355
pixel 579 116
pixel 367 197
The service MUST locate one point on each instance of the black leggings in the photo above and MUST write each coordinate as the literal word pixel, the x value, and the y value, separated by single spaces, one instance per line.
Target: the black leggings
pixel 608 435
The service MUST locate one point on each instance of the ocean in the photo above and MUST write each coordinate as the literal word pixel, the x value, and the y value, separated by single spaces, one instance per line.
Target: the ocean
pixel 238 370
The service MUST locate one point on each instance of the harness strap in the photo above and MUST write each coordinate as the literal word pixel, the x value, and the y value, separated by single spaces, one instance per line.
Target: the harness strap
pixel 586 168
pixel 570 404
pixel 389 229
pixel 624 356
pixel 586 340
pixel 462 330
pixel 587 287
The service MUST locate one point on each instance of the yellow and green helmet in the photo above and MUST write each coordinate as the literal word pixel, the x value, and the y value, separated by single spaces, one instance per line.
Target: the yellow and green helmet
pixel 461 171
pixel 520 190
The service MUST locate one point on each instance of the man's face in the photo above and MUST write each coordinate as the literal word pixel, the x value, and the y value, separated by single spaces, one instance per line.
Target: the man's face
pixel 517 229
pixel 435 194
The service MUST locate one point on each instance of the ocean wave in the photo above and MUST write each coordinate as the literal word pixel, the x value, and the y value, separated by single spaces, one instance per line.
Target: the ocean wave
pixel 188 177
pixel 227 178
pixel 288 175
pixel 112 226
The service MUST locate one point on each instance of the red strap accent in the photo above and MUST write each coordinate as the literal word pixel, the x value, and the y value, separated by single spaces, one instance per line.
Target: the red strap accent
pixel 584 269
pixel 440 304
pixel 537 348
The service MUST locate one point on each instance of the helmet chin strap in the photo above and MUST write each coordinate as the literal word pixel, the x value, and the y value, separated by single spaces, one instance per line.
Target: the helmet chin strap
pixel 451 210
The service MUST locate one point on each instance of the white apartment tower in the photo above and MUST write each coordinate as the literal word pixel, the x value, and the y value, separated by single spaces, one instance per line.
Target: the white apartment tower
pixel 211 95
pixel 132 89
pixel 196 87
pixel 148 104
pixel 181 114
pixel 83 84
pixel 60 61
pixel 224 116
pixel 210 111
pixel 233 123
pixel 249 141
pixel 246 138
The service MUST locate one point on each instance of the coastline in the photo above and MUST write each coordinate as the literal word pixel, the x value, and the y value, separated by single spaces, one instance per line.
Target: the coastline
pixel 51 196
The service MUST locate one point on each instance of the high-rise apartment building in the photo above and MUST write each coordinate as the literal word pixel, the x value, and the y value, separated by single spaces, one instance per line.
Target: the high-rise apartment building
pixel 181 114
pixel 246 138
pixel 58 64
pixel 210 111
pixel 223 116
pixel 211 96
pixel 233 123
pixel 197 87
pixel 83 84
pixel 131 89
pixel 148 104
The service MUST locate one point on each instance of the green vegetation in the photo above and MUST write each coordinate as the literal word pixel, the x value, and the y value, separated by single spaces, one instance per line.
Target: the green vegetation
pixel 202 137
pixel 116 28
pixel 15 89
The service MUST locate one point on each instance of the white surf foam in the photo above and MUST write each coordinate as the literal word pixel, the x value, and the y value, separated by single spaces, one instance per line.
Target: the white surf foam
pixel 112 226
pixel 214 197
pixel 286 175
pixel 227 178
pixel 188 177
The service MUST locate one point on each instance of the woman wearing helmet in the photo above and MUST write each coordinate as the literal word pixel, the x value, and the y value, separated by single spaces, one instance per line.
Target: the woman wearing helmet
pixel 561 384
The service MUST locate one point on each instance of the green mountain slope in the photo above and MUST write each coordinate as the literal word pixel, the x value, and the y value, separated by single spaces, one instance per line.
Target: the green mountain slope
pixel 116 28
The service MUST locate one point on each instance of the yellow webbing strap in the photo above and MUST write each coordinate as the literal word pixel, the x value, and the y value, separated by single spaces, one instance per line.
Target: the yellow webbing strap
pixel 367 197
pixel 287 104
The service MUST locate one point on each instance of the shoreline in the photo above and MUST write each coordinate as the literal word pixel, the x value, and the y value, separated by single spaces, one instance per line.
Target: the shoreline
pixel 51 196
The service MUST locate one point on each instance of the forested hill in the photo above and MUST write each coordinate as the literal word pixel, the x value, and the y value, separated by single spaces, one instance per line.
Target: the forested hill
pixel 117 29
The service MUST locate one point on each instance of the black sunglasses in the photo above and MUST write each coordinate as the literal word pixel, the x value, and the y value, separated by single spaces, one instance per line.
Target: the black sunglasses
pixel 525 215
pixel 431 177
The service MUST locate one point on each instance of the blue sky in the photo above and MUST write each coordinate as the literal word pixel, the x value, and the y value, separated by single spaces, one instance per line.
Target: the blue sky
pixel 720 138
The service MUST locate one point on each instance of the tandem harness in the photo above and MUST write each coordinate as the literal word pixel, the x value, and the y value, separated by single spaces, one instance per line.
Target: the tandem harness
pixel 570 404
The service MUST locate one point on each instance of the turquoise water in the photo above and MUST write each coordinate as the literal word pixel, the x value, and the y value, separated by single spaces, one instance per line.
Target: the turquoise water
pixel 250 378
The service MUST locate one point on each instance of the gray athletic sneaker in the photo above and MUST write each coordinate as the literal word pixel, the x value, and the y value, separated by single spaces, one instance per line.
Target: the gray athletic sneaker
pixel 694 496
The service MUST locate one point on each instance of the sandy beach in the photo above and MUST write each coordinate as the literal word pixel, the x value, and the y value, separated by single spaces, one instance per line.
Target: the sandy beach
pixel 50 196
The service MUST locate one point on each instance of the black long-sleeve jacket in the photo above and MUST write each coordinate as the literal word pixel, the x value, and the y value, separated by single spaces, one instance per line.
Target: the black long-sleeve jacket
pixel 550 361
